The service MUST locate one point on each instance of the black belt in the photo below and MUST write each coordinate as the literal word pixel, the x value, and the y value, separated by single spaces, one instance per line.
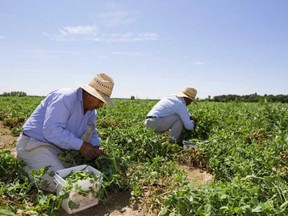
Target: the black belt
pixel 149 117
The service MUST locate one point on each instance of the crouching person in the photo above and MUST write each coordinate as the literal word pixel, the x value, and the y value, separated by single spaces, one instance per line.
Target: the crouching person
pixel 64 120
pixel 171 114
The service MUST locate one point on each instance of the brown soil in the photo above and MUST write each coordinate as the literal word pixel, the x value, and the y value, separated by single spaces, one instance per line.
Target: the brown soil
pixel 7 140
pixel 117 204
pixel 196 176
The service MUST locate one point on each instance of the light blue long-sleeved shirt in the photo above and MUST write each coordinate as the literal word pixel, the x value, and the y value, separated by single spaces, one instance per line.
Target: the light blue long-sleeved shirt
pixel 59 119
pixel 172 105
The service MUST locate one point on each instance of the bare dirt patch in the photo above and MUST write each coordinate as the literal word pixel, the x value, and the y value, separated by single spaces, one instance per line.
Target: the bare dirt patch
pixel 7 140
pixel 196 176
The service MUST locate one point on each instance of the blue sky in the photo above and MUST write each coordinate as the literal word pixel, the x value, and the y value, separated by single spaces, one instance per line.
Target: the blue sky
pixel 151 48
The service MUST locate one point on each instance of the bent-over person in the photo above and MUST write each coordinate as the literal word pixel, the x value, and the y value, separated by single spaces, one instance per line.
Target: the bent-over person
pixel 65 119
pixel 171 113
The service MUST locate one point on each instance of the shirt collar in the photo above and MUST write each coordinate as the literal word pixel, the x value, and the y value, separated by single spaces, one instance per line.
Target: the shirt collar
pixel 181 99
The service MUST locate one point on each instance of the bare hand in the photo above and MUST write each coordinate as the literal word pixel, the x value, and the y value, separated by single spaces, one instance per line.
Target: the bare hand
pixel 89 151
pixel 194 120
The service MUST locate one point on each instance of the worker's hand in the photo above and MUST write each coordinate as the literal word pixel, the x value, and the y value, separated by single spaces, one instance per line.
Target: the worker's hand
pixel 194 120
pixel 89 151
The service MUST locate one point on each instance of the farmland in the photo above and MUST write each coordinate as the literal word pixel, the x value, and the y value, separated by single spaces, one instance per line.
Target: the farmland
pixel 245 149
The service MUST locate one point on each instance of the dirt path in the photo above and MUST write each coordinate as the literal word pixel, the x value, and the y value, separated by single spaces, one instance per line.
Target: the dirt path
pixel 117 204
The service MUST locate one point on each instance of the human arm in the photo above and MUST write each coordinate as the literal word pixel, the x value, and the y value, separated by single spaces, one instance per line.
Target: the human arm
pixel 182 111
pixel 95 139
pixel 91 133
pixel 90 147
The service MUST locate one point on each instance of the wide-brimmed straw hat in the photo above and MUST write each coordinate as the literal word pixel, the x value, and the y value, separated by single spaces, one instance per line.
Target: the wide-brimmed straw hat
pixel 188 93
pixel 101 87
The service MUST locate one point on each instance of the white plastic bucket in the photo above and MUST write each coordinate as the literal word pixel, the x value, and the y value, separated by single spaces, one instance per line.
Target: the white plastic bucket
pixel 83 202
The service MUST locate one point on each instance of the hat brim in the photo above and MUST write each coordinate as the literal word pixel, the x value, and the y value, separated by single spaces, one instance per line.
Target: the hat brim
pixel 101 96
pixel 181 94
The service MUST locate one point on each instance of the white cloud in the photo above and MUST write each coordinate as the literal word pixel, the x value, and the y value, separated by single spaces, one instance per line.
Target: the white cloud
pixel 92 33
pixel 79 30
pixel 130 37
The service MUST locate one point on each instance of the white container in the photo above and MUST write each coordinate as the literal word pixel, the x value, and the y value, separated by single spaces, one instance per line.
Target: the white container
pixel 84 202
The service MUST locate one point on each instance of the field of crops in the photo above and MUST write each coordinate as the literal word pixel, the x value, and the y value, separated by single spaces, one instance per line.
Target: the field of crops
pixel 246 150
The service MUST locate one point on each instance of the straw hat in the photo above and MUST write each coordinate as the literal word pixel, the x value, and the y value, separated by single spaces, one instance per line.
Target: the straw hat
pixel 101 87
pixel 188 93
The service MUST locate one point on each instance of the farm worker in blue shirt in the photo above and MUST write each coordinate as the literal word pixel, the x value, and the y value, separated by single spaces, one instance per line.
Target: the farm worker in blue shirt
pixel 171 113
pixel 65 119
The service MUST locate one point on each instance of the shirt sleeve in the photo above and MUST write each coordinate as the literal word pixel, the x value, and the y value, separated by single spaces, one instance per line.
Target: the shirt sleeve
pixel 95 140
pixel 56 116
pixel 182 111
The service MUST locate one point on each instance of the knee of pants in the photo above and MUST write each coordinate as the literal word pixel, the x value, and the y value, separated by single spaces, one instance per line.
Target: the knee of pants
pixel 40 158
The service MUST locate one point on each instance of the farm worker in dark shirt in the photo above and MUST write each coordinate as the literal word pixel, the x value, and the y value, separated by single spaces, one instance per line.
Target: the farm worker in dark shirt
pixel 171 113
pixel 64 120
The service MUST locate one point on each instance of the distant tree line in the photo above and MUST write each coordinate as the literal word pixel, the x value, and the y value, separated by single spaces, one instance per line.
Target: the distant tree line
pixel 221 98
pixel 250 98
pixel 14 93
